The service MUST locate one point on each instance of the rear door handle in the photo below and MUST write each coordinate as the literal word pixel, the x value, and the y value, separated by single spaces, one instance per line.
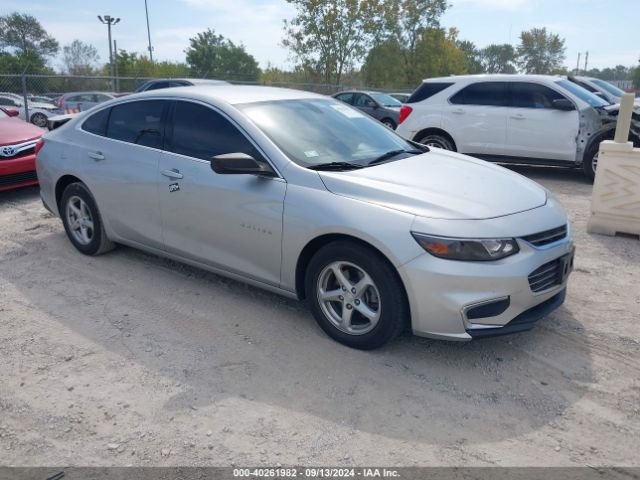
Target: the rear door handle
pixel 173 173
pixel 518 117
pixel 96 155
pixel 458 111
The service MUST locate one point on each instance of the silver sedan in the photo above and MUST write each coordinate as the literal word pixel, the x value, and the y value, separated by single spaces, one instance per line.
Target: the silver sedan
pixel 308 197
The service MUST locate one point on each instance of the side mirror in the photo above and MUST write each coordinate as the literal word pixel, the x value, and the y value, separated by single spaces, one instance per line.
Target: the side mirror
pixel 12 112
pixel 240 164
pixel 563 104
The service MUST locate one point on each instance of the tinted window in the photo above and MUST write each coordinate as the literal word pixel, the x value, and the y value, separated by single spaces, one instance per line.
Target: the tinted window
pixel 200 132
pixel 346 98
pixel 531 95
pixel 484 93
pixel 427 90
pixel 102 98
pixel 137 122
pixel 157 86
pixel 97 123
pixel 7 101
pixel 361 100
pixel 581 93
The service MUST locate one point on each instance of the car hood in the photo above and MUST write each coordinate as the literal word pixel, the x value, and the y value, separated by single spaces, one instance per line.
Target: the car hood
pixel 440 184
pixel 13 130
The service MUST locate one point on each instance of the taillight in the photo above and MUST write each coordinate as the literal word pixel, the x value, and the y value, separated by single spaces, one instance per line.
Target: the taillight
pixel 405 111
pixel 39 145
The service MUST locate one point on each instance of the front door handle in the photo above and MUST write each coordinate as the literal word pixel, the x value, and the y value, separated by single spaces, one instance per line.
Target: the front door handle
pixel 96 155
pixel 173 173
pixel 519 116
pixel 458 111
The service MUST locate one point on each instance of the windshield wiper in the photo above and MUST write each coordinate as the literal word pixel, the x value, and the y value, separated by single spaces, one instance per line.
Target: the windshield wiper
pixel 336 166
pixel 391 154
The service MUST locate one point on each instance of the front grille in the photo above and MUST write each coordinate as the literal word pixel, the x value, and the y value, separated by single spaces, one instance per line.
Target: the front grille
pixel 17 151
pixel 547 237
pixel 547 276
pixel 16 178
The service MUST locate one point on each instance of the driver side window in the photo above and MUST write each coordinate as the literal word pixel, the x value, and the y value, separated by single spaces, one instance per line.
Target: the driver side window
pixel 200 132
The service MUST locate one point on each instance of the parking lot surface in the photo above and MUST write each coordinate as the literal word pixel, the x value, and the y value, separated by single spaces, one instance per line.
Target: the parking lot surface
pixel 130 359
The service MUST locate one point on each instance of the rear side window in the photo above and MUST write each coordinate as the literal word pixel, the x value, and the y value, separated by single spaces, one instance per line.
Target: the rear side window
pixel 346 98
pixel 200 132
pixel 157 86
pixel 532 95
pixel 484 93
pixel 97 123
pixel 137 122
pixel 427 90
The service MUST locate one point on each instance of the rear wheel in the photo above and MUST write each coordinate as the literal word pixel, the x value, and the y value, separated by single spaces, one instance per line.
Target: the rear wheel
pixel 39 119
pixel 438 141
pixel 389 123
pixel 355 295
pixel 82 221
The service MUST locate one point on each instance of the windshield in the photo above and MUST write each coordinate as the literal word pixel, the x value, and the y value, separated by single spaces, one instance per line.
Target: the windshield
pixel 582 94
pixel 386 100
pixel 612 89
pixel 321 131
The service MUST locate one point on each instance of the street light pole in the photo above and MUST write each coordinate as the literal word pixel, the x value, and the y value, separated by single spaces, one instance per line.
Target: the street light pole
pixel 108 20
pixel 146 10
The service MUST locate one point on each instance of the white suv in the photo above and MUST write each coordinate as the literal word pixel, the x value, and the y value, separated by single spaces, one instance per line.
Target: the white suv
pixel 524 119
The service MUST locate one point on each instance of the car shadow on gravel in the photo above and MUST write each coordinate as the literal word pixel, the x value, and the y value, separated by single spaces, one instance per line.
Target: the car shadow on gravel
pixel 221 340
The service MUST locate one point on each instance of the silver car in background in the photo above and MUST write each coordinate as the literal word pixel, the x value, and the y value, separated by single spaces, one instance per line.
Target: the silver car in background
pixel 310 198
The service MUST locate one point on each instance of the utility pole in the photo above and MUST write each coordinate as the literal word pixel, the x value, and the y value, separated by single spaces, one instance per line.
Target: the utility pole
pixel 115 64
pixel 586 62
pixel 108 20
pixel 578 65
pixel 146 10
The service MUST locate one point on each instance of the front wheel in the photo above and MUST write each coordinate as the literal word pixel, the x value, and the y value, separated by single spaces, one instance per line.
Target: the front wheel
pixel 389 123
pixel 355 295
pixel 437 141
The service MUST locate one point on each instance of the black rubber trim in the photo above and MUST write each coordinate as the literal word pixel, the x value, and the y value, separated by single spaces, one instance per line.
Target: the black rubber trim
pixel 525 321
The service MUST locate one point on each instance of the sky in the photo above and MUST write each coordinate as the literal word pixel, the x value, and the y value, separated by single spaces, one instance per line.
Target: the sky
pixel 607 29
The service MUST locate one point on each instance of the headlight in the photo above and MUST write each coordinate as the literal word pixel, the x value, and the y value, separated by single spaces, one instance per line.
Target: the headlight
pixel 469 249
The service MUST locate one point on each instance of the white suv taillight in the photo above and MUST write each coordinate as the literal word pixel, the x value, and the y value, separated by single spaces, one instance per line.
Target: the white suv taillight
pixel 405 111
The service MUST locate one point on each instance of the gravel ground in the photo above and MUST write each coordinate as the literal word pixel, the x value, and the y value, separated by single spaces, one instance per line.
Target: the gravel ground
pixel 130 359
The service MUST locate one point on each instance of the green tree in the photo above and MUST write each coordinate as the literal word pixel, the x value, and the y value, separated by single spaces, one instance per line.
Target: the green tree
pixel 540 51
pixel 636 77
pixel 384 65
pixel 79 58
pixel 212 56
pixel 409 20
pixel 327 38
pixel 473 56
pixel 499 58
pixel 22 33
pixel 437 54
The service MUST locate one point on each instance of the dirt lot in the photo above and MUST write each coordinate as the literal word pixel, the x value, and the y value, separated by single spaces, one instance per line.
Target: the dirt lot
pixel 129 359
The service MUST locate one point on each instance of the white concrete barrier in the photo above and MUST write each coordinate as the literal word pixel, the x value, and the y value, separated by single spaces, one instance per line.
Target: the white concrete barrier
pixel 615 203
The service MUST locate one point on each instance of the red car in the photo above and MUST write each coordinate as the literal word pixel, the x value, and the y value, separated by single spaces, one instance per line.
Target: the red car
pixel 18 140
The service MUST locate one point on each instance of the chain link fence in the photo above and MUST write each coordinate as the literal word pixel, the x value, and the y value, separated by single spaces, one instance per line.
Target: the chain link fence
pixel 21 91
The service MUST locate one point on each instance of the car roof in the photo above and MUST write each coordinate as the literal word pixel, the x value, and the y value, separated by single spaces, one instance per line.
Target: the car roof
pixel 88 91
pixel 495 76
pixel 230 94
pixel 195 81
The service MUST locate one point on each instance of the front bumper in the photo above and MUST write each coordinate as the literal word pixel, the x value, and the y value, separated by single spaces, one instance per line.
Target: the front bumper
pixel 463 300
pixel 18 172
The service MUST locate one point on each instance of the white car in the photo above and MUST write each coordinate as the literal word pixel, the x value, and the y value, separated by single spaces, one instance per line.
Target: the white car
pixel 38 112
pixel 523 119
pixel 602 88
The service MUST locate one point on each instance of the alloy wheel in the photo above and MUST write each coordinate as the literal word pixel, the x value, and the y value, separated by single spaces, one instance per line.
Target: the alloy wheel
pixel 349 298
pixel 79 220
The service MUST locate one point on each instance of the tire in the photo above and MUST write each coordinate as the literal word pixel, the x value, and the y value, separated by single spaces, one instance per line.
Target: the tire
pixel 381 295
pixel 389 123
pixel 438 141
pixel 39 119
pixel 82 221
pixel 590 162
